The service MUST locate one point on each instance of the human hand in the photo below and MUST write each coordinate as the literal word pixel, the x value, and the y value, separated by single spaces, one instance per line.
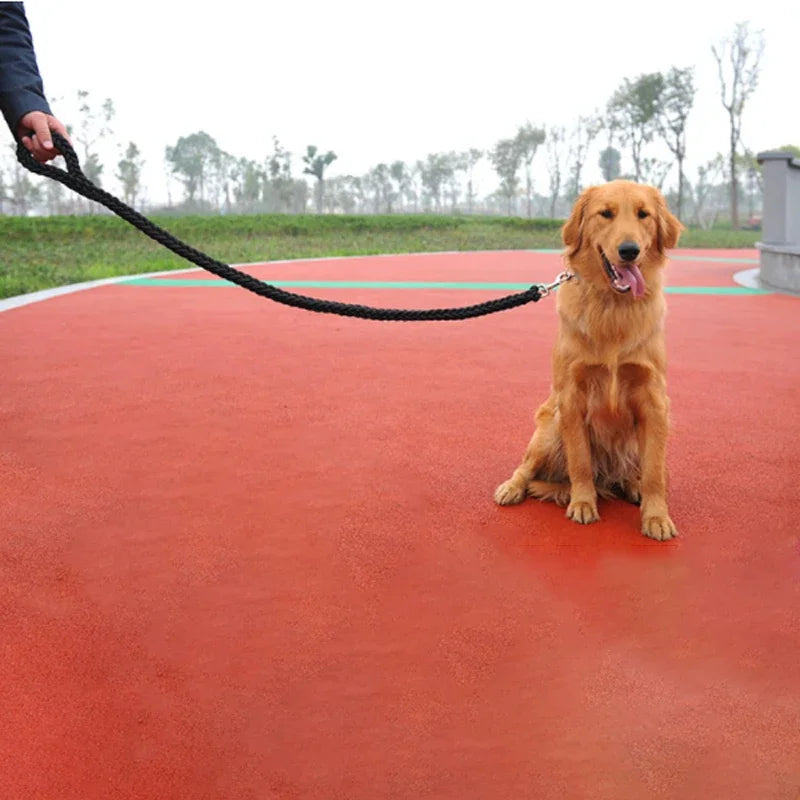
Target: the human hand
pixel 33 131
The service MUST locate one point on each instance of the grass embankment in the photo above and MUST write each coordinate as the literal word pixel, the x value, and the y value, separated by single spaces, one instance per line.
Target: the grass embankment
pixel 40 253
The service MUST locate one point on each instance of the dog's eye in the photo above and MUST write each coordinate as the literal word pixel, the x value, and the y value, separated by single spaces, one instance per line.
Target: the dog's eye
pixel 643 214
pixel 607 213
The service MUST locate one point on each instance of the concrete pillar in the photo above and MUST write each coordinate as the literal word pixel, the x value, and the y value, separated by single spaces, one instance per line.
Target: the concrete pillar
pixel 780 248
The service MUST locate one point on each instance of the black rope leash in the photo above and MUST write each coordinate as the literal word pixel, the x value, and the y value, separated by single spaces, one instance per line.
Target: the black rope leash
pixel 74 178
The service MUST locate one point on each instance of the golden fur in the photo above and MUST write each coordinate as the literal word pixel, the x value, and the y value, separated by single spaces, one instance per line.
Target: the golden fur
pixel 603 430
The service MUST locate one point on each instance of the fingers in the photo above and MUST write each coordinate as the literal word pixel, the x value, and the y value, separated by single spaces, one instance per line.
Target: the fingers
pixel 34 132
pixel 35 135
pixel 58 126
pixel 38 149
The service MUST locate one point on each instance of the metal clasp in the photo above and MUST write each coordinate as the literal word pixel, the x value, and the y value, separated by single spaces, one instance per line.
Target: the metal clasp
pixel 563 277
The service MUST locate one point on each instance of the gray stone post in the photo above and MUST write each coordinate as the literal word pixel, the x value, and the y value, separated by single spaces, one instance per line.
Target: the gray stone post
pixel 780 248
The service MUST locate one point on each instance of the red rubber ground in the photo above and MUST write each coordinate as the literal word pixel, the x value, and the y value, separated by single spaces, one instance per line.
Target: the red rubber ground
pixel 249 552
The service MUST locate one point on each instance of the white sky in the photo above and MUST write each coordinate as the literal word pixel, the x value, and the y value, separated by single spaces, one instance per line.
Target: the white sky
pixel 384 81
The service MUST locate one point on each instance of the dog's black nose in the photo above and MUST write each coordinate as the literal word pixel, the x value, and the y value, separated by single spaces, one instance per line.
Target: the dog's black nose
pixel 628 251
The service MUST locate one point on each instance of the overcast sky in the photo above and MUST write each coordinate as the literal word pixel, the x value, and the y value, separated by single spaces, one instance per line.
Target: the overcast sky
pixel 385 81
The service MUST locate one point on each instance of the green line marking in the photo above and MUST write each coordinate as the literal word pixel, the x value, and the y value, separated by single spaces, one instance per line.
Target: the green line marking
pixel 713 290
pixel 452 285
pixel 678 257
pixel 344 284
pixel 718 259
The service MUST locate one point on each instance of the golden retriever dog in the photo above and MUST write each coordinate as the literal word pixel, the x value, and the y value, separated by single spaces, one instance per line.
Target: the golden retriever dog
pixel 603 430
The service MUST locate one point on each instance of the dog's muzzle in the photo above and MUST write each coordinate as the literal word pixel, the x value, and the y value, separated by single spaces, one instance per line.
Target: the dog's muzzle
pixel 626 277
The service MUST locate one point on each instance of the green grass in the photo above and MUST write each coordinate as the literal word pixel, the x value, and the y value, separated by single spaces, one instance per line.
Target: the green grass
pixel 719 238
pixel 40 253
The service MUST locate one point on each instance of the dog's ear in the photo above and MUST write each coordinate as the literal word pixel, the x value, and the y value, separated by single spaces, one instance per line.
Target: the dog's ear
pixel 669 227
pixel 572 232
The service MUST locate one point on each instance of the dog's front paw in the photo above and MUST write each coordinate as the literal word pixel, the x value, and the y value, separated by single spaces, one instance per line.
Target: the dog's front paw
pixel 659 527
pixel 583 511
pixel 509 493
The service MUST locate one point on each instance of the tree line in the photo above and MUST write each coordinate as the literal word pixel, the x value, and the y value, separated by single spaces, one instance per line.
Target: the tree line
pixel 646 115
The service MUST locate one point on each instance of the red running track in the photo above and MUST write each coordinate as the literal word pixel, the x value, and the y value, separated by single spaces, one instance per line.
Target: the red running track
pixel 250 552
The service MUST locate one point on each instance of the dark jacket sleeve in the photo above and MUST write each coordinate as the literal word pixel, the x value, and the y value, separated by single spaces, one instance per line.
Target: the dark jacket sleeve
pixel 21 87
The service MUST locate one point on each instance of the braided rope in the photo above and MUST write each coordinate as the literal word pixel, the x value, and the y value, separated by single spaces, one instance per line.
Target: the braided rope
pixel 74 179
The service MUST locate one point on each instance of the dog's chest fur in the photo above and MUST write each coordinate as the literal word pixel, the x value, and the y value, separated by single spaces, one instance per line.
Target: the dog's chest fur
pixel 610 420
pixel 607 374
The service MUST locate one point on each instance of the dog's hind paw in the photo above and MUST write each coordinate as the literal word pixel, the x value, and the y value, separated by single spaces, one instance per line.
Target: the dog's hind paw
pixel 632 493
pixel 509 493
pixel 559 493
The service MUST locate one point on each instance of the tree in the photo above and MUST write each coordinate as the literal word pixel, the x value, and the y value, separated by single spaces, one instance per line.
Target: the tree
pixel 583 134
pixel 677 99
pixel 249 178
pixel 371 192
pixel 457 162
pixel 633 109
pixel 790 148
pixel 748 165
pixel 402 180
pixel 527 143
pixel 354 190
pixel 506 159
pixel 129 173
pixel 708 175
pixel 22 192
pixel 316 165
pixel 738 64
pixel 655 171
pixel 93 125
pixel 56 200
pixel 555 163
pixel 415 189
pixel 378 181
pixel 224 175
pixel 342 193
pixel 192 160
pixel 610 161
pixel 279 184
pixel 356 187
pixel 473 157
pixel 434 172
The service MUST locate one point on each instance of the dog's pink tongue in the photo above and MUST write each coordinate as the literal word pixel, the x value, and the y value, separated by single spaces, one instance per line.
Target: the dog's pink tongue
pixel 632 275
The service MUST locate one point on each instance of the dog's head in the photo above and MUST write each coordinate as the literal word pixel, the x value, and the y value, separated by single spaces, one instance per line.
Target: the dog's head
pixel 617 235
